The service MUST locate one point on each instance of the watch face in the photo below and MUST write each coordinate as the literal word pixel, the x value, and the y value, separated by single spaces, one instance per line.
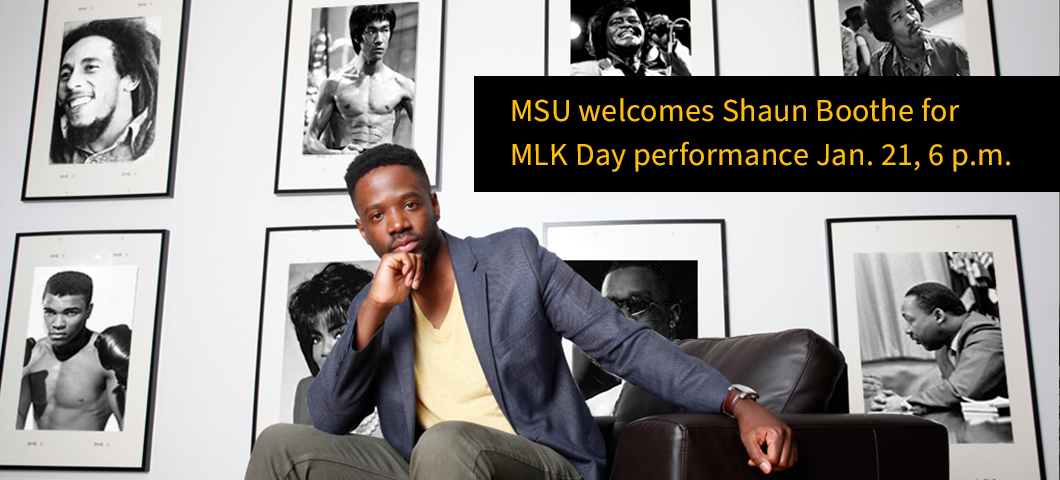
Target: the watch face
pixel 745 391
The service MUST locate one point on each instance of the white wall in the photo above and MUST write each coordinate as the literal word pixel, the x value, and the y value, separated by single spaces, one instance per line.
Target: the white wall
pixel 778 270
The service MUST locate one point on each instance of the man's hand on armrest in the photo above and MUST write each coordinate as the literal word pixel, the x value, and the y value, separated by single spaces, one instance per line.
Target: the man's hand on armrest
pixel 759 427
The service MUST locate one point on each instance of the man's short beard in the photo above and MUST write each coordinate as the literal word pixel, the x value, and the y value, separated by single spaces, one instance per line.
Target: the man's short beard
pixel 81 136
pixel 431 249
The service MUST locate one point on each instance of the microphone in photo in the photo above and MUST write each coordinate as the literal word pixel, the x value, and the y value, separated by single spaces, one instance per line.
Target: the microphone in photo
pixel 660 25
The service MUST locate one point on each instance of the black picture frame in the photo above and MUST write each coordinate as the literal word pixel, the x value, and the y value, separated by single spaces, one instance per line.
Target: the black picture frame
pixel 127 270
pixel 682 262
pixel 416 52
pixel 969 23
pixel 141 161
pixel 293 256
pixel 873 263
pixel 562 47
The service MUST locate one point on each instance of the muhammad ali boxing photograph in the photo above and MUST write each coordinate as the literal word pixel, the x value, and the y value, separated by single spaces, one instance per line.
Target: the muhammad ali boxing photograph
pixel 77 381
pixel 78 349
pixel 654 38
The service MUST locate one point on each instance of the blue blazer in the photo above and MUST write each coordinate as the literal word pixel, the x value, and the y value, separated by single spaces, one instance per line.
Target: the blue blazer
pixel 519 300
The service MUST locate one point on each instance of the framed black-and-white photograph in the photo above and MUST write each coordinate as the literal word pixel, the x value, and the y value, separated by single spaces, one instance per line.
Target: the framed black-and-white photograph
pixel 669 275
pixel 80 350
pixel 107 100
pixel 625 37
pixel 929 312
pixel 904 37
pixel 311 275
pixel 358 74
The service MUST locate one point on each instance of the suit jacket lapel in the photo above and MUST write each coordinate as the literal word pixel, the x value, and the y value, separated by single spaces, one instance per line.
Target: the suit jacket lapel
pixel 473 297
pixel 401 334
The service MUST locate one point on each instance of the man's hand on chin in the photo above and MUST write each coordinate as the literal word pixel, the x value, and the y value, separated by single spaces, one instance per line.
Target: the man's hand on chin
pixel 399 273
pixel 759 427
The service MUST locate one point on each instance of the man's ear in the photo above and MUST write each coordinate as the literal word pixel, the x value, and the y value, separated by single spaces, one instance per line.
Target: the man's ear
pixel 129 83
pixel 88 311
pixel 360 228
pixel 939 315
pixel 675 320
pixel 437 207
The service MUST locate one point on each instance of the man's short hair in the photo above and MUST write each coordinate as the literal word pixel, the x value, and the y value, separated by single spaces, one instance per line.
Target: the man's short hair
pixel 64 284
pixel 876 13
pixel 361 16
pixel 324 299
pixel 136 52
pixel 381 156
pixel 598 25
pixel 930 296
pixel 661 274
pixel 855 17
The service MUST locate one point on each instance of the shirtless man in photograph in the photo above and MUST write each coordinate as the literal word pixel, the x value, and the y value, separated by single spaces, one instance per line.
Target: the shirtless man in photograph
pixel 74 378
pixel 360 105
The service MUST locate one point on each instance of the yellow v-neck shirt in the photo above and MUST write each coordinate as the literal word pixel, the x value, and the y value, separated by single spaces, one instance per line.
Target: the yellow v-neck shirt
pixel 450 384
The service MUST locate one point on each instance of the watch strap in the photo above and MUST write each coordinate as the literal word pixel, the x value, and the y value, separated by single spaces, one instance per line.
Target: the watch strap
pixel 730 402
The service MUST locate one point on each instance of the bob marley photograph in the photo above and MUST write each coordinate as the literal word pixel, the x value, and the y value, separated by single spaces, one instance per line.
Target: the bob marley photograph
pixel 109 80
pixel 107 91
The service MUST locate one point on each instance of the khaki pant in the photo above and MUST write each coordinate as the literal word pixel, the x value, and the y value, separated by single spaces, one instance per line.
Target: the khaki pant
pixel 448 450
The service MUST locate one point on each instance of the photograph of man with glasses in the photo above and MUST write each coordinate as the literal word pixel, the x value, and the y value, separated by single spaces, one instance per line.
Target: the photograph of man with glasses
pixel 654 293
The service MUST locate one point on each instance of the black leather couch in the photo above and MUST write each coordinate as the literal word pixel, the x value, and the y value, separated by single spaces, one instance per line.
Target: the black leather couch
pixel 801 378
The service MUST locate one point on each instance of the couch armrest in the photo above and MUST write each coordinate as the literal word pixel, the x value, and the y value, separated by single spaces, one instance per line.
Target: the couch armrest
pixel 856 446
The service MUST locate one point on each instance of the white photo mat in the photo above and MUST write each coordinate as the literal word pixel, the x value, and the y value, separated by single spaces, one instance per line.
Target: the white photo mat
pixel 978 31
pixel 847 237
pixel 121 261
pixel 699 240
pixel 148 176
pixel 298 172
pixel 286 247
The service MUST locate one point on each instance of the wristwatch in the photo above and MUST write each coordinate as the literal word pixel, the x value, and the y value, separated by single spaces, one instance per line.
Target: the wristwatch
pixel 737 392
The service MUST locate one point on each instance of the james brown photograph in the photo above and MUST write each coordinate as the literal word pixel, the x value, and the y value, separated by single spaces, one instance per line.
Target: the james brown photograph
pixel 627 38
pixel 931 341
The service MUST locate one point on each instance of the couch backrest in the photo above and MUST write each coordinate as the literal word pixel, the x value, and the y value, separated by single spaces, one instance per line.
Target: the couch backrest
pixel 794 371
